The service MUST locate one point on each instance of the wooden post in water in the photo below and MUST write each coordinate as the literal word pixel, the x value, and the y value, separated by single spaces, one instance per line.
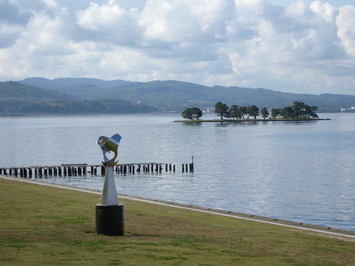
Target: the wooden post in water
pixel 191 167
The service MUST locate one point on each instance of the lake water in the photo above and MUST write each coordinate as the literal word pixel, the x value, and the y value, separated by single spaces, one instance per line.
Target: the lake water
pixel 300 171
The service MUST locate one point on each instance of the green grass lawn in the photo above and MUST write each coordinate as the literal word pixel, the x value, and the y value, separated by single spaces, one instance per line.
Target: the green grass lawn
pixel 42 225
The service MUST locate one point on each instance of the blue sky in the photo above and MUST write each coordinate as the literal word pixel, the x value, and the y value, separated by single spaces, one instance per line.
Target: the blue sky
pixel 291 45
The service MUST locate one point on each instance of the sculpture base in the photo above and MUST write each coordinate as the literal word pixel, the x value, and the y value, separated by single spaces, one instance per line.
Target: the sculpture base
pixel 110 220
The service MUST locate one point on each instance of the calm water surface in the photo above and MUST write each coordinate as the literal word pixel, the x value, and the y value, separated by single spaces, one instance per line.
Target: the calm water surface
pixel 301 171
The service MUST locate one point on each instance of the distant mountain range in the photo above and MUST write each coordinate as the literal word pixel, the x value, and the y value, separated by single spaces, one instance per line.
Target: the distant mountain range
pixel 117 96
pixel 22 98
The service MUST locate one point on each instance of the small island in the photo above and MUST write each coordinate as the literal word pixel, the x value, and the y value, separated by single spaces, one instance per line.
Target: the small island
pixel 299 111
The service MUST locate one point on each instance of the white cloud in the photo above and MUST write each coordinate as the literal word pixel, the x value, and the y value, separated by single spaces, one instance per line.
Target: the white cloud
pixel 346 28
pixel 286 44
pixel 326 10
pixel 101 17
pixel 110 22
pixel 302 46
pixel 183 21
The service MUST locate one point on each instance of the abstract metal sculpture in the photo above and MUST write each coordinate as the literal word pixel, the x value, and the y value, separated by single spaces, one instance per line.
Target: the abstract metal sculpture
pixel 109 195
pixel 109 214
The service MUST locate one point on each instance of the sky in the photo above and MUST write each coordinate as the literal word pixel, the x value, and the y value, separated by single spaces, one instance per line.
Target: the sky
pixel 293 46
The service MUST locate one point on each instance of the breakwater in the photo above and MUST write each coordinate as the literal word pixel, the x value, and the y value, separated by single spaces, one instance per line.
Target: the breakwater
pixel 85 169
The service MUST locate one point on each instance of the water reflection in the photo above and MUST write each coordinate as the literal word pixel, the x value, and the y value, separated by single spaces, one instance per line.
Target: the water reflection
pixel 192 123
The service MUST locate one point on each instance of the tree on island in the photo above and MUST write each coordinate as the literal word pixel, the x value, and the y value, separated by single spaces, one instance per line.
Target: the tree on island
pixel 302 110
pixel 243 111
pixel 234 111
pixel 287 112
pixel 264 112
pixel 192 113
pixel 253 111
pixel 221 109
pixel 275 113
pixel 298 110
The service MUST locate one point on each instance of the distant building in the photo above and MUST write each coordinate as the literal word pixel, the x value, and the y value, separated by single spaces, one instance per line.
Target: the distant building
pixel 208 110
pixel 351 109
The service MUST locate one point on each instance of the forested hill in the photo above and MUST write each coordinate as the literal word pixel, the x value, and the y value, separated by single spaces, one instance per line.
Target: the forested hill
pixel 20 98
pixel 16 90
pixel 63 83
pixel 176 95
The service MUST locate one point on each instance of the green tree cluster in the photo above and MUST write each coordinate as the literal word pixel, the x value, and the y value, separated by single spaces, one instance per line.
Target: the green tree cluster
pixel 193 113
pixel 297 110
pixel 222 110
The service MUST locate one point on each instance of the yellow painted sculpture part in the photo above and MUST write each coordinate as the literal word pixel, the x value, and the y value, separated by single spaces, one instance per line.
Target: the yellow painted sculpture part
pixel 109 145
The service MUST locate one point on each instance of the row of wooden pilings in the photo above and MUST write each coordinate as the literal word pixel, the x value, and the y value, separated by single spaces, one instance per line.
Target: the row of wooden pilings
pixel 45 171
pixel 84 169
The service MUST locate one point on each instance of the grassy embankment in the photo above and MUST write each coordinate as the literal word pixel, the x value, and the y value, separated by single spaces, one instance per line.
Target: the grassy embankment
pixel 42 225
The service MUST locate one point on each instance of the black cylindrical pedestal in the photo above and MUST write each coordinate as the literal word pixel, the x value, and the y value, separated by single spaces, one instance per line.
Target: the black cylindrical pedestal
pixel 110 220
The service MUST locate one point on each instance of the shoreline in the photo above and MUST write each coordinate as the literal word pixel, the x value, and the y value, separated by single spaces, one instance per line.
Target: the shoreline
pixel 256 218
